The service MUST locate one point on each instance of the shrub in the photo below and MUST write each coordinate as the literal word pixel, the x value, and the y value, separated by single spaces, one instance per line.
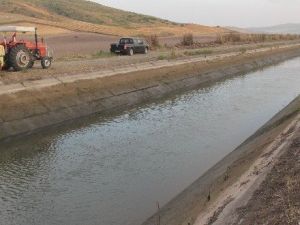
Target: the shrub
pixel 220 40
pixel 188 39
pixel 153 41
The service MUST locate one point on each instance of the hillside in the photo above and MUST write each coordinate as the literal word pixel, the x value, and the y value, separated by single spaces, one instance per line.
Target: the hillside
pixel 81 15
pixel 290 28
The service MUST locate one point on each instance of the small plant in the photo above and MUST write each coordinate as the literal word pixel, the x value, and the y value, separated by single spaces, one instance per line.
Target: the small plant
pixel 161 57
pixel 173 54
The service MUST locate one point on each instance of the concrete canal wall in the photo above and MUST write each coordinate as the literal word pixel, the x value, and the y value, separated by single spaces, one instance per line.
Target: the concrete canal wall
pixel 185 208
pixel 25 110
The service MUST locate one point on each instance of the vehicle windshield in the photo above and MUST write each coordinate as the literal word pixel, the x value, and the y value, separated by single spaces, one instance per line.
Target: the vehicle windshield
pixel 126 41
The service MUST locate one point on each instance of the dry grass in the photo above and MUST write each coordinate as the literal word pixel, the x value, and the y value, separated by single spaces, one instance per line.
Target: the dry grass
pixel 253 38
pixel 85 16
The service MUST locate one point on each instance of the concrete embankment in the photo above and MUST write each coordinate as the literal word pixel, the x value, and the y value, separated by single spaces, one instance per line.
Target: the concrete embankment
pixel 25 108
pixel 204 201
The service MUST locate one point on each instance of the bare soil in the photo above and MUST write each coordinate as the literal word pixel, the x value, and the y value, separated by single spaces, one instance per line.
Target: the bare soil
pixel 80 43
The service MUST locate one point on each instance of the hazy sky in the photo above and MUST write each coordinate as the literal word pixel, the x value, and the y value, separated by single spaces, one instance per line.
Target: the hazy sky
pixel 243 13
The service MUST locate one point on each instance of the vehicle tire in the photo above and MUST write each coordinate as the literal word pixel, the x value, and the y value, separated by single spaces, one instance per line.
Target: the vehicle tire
pixel 19 58
pixel 146 51
pixel 6 64
pixel 46 62
pixel 130 52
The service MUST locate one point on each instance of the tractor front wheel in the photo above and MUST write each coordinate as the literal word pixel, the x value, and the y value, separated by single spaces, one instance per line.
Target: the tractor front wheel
pixel 46 62
pixel 20 58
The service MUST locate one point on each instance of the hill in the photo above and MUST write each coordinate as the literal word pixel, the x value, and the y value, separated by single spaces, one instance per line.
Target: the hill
pixel 239 29
pixel 290 28
pixel 80 15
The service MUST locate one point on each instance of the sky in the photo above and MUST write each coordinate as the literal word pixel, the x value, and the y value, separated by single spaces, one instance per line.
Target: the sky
pixel 241 13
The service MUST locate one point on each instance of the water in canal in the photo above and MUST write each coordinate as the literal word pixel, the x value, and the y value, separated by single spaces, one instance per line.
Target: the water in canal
pixel 111 170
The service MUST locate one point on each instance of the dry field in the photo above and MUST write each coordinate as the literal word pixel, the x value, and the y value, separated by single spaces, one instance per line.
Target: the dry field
pixel 69 44
pixel 75 44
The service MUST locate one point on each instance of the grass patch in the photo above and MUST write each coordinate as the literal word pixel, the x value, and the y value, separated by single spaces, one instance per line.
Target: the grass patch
pixel 103 54
pixel 173 54
pixel 243 50
pixel 162 57
pixel 198 52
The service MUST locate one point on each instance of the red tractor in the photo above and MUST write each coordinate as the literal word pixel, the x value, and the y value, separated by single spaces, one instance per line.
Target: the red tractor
pixel 21 54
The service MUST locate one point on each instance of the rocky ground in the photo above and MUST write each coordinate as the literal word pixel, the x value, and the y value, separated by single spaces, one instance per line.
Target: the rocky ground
pixel 277 201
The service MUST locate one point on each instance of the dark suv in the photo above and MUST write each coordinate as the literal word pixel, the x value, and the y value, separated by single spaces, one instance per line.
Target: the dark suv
pixel 130 46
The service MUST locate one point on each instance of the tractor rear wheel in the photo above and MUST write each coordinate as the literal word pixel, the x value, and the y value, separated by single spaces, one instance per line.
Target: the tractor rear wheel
pixel 46 62
pixel 20 58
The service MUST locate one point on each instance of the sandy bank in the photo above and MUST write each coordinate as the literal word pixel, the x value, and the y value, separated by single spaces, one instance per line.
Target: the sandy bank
pixel 214 197
pixel 32 105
